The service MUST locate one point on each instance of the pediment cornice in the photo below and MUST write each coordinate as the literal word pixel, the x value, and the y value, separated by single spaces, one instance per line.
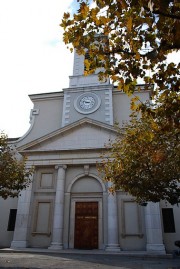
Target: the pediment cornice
pixel 67 129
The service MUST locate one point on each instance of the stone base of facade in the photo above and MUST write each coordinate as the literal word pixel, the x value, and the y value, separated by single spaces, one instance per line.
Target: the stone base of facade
pixel 55 246
pixel 19 244
pixel 113 248
pixel 156 248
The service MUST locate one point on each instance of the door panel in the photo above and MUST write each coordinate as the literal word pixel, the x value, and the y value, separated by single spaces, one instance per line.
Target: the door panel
pixel 86 225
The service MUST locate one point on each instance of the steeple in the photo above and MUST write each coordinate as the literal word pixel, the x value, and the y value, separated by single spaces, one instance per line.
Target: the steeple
pixel 78 79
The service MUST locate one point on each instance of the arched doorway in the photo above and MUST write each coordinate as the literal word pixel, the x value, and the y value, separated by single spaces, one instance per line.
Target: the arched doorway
pixel 86 214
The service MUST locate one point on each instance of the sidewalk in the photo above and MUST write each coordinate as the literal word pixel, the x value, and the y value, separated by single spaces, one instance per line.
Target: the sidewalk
pixel 84 259
pixel 140 254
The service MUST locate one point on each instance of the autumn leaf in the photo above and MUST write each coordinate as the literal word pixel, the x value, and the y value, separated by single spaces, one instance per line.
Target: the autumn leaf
pixel 14 176
pixel 129 24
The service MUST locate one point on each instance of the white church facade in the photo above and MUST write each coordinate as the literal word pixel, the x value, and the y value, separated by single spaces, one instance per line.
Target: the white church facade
pixel 67 205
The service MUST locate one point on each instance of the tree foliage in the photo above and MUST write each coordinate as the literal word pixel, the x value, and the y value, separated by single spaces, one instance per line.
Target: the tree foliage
pixel 138 36
pixel 145 159
pixel 14 176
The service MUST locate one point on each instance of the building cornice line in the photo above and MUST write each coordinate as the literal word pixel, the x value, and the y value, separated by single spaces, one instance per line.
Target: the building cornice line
pixel 66 128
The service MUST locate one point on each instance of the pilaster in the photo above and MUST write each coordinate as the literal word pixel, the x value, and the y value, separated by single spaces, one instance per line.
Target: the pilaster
pixel 154 228
pixel 21 227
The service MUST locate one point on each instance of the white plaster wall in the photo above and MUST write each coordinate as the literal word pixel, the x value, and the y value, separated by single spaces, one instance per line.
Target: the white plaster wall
pixel 84 136
pixel 86 184
pixel 71 173
pixel 48 118
pixel 78 66
pixel 121 105
pixel 50 114
pixel 5 206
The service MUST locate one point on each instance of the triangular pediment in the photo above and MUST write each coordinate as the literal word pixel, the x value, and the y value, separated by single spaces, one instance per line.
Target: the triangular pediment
pixel 83 134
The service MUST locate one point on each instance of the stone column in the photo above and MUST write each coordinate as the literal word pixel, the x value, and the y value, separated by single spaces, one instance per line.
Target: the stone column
pixel 57 235
pixel 154 228
pixel 113 240
pixel 21 227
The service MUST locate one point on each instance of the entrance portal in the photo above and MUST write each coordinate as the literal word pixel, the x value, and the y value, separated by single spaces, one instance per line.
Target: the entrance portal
pixel 86 225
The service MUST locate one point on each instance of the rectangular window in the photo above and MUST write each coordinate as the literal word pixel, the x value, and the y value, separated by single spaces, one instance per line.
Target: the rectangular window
pixel 12 219
pixel 86 57
pixel 168 220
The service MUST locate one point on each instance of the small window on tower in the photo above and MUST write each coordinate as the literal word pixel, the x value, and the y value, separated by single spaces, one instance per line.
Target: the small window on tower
pixel 168 220
pixel 86 58
pixel 12 219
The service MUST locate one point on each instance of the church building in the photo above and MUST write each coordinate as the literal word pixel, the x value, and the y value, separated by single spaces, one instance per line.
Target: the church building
pixel 67 205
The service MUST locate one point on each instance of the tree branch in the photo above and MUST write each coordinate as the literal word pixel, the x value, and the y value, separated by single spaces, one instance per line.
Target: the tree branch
pixel 150 53
pixel 172 16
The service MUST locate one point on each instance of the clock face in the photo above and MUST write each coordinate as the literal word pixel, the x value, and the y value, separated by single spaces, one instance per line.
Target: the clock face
pixel 87 103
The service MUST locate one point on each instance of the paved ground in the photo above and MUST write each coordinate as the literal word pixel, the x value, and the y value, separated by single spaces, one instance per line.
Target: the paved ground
pixel 25 260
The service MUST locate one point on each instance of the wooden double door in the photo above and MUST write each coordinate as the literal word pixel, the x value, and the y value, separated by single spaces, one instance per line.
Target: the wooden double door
pixel 86 225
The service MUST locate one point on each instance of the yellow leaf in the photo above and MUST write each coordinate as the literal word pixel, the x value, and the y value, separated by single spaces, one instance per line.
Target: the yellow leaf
pixel 137 57
pixel 87 65
pixel 93 13
pixel 129 24
pixel 123 4
pixel 66 15
pixel 84 10
pixel 133 106
pixel 126 88
pixel 97 21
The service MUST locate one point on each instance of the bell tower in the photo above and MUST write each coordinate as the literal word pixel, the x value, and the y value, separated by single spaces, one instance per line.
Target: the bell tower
pixel 87 96
pixel 78 79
